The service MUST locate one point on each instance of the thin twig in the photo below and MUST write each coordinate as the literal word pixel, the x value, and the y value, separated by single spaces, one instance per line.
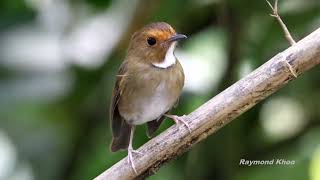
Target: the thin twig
pixel 286 33
pixel 283 26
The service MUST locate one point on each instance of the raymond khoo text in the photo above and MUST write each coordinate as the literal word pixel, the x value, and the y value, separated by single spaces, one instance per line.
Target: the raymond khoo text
pixel 246 162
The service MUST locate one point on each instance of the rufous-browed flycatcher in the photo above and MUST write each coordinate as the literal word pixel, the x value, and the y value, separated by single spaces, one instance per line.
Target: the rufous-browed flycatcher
pixel 148 85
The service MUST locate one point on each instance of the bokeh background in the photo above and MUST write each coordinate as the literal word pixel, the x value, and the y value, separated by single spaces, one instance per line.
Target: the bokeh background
pixel 59 58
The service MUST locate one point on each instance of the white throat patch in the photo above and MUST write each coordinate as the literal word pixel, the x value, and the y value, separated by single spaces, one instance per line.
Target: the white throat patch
pixel 169 59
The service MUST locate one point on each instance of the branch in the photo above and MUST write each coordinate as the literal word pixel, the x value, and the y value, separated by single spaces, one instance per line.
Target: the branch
pixel 221 109
pixel 283 26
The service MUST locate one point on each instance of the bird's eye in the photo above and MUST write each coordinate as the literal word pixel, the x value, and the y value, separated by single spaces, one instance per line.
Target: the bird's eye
pixel 151 41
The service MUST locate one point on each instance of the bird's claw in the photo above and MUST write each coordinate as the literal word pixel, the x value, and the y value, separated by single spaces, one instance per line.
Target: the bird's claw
pixel 137 152
pixel 179 120
pixel 130 159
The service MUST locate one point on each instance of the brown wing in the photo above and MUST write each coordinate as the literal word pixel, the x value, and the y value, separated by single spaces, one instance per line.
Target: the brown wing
pixel 116 93
pixel 120 129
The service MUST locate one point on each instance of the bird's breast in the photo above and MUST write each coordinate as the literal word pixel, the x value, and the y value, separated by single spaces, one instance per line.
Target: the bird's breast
pixel 154 105
pixel 149 95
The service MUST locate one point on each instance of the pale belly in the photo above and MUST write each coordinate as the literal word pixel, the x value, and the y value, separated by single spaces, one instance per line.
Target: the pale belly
pixel 145 109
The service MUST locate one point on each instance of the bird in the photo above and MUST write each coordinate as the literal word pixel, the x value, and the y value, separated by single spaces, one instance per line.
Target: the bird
pixel 148 85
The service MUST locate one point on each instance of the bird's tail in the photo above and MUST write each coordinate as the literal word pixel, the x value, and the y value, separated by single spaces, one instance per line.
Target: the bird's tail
pixel 121 142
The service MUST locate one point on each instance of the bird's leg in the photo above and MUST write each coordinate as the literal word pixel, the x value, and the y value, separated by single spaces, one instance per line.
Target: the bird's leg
pixel 179 119
pixel 130 142
pixel 131 150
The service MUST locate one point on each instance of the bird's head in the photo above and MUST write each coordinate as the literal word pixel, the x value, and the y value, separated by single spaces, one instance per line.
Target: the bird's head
pixel 154 44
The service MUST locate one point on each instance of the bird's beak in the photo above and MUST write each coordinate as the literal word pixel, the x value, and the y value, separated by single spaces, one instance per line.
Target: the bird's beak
pixel 177 37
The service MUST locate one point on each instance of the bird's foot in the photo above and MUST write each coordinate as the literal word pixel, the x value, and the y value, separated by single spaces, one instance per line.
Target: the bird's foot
pixel 178 120
pixel 137 152
pixel 130 159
